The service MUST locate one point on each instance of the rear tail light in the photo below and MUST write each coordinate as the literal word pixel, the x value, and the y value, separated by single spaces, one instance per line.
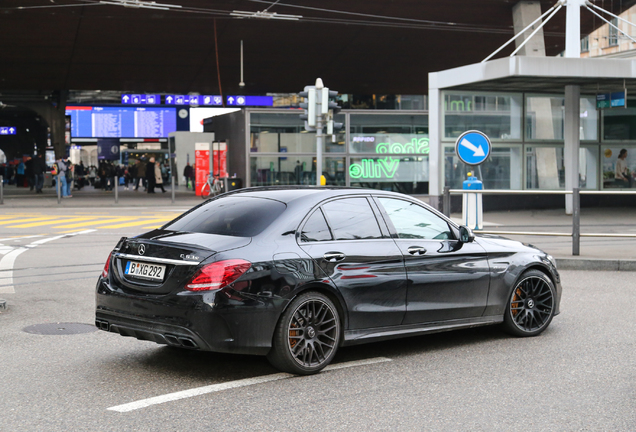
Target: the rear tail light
pixel 107 266
pixel 218 275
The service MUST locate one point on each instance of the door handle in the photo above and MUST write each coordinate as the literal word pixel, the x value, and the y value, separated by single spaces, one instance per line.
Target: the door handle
pixel 334 256
pixel 416 250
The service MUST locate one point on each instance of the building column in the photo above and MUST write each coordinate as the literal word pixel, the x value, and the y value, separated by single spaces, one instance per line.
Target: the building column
pixel 572 141
pixel 523 13
pixel 435 155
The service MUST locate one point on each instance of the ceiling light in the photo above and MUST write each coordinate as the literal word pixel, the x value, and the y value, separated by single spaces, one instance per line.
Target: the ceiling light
pixel 265 15
pixel 140 4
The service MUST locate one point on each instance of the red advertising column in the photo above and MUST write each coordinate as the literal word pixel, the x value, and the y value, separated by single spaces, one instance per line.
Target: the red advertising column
pixel 201 165
pixel 219 158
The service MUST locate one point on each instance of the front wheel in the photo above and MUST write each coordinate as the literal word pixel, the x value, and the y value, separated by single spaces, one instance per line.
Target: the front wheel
pixel 531 305
pixel 307 335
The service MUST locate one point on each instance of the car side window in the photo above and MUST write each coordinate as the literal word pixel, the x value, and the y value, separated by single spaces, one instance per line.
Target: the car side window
pixel 412 221
pixel 352 219
pixel 315 228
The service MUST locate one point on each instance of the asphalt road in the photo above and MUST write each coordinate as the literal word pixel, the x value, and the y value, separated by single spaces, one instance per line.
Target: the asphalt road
pixel 579 375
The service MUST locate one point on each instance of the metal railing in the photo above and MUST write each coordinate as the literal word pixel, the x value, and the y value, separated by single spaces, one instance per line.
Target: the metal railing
pixel 576 211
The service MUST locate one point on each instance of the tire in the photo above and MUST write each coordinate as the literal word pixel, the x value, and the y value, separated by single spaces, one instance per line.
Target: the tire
pixel 307 335
pixel 530 307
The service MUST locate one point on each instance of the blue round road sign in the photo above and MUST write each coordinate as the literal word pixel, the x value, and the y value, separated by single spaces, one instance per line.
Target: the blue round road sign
pixel 473 147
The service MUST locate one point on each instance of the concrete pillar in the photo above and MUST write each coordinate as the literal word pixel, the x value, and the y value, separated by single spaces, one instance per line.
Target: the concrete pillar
pixel 436 153
pixel 523 13
pixel 572 141
pixel 573 28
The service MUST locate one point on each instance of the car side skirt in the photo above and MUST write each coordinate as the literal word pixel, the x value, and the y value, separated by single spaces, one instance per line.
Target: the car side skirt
pixel 360 336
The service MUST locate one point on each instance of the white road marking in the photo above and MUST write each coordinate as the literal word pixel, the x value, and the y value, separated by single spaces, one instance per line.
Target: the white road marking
pixel 6 270
pixel 16 239
pixel 231 385
pixel 10 254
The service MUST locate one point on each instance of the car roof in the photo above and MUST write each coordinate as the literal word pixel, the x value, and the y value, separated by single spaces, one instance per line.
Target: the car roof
pixel 287 194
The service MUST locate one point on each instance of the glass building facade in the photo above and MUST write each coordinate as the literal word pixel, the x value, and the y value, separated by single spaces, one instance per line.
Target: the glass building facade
pixel 389 149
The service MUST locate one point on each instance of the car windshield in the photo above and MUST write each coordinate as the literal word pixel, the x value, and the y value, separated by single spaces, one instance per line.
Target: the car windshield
pixel 231 216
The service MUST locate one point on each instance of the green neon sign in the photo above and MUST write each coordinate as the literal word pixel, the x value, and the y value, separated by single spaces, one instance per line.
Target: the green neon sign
pixel 415 146
pixel 374 168
pixel 387 167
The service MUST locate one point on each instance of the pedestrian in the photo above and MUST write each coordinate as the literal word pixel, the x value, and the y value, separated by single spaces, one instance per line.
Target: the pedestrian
pixel 141 173
pixel 92 173
pixel 187 175
pixel 62 167
pixel 80 174
pixel 150 175
pixel 28 172
pixel 159 176
pixel 39 167
pixel 19 174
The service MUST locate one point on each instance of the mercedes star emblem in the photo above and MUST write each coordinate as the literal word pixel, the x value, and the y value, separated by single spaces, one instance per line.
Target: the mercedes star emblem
pixel 142 249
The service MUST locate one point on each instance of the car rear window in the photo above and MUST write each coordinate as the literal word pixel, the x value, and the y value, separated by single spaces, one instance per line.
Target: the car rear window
pixel 231 216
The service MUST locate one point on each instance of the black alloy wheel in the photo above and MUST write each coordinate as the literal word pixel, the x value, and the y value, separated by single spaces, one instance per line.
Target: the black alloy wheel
pixel 307 335
pixel 531 306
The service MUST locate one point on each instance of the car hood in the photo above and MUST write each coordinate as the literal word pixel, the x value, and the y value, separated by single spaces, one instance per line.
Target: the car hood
pixel 494 243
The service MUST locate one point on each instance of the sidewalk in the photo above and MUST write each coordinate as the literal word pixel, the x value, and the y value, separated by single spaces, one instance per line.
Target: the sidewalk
pixel 596 253
pixel 89 197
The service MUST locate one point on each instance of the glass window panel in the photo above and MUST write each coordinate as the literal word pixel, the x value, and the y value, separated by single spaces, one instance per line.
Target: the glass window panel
pixel 406 174
pixel 415 222
pixel 619 124
pixel 619 167
pixel 498 116
pixel 545 118
pixel 316 228
pixel 502 170
pixel 285 133
pixel 588 167
pixel 295 170
pixel 352 219
pixel 389 134
pixel 545 167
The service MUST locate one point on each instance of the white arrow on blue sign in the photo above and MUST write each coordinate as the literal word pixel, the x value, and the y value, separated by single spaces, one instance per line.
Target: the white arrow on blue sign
pixel 9 130
pixel 473 147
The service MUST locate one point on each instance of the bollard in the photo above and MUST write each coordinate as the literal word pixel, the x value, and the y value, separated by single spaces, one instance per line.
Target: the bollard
pixel 576 221
pixel 59 192
pixel 447 202
pixel 1 190
pixel 116 189
pixel 172 188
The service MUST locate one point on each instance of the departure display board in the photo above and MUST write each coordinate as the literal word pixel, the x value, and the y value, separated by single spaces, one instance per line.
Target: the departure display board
pixel 121 122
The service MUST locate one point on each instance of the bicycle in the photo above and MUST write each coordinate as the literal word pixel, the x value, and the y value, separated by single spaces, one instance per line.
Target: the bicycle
pixel 212 187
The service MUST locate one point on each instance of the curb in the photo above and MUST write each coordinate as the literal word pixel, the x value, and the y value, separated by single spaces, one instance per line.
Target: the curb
pixel 595 264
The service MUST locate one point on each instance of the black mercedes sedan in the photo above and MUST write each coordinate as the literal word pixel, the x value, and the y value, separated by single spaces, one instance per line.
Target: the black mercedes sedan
pixel 295 273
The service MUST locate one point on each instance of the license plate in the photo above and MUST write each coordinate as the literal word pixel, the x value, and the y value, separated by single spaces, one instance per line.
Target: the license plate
pixel 145 270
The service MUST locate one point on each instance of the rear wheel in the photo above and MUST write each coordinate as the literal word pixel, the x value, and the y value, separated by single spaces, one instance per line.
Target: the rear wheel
pixel 307 335
pixel 531 305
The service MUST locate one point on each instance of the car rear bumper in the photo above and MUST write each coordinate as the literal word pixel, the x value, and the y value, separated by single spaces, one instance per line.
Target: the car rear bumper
pixel 202 321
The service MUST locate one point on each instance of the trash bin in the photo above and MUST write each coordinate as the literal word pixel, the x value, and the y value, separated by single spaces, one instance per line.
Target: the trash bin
pixel 472 208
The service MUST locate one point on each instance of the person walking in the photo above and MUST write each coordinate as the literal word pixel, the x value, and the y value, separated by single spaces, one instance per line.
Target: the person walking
pixel 19 174
pixel 159 177
pixel 28 171
pixel 62 177
pixel 150 175
pixel 187 174
pixel 39 167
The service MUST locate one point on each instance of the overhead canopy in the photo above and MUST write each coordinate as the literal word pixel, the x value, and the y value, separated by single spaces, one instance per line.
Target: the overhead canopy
pixel 540 74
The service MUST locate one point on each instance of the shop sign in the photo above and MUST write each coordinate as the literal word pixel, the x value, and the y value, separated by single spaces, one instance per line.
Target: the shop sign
pixel 388 166
pixel 374 168
pixel 611 100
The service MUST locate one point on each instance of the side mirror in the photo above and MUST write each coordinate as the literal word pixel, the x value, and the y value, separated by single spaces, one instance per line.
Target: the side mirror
pixel 466 234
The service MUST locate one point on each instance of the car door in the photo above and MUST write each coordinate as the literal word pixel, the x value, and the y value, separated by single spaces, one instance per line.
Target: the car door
pixel 344 238
pixel 447 279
